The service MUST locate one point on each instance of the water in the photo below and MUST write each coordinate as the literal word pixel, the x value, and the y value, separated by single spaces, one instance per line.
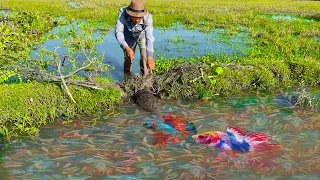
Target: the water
pixel 118 147
pixel 287 17
pixel 4 12
pixel 169 43
pixel 73 4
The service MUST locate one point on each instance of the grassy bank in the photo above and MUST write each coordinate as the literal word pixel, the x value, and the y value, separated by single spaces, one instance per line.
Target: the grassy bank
pixel 25 107
pixel 283 52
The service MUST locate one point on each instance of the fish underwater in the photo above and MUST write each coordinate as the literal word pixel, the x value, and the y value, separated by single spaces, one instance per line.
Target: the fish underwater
pixel 175 129
pixel 234 139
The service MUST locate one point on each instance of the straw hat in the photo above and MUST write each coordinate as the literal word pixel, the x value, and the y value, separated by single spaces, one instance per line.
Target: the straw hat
pixel 136 8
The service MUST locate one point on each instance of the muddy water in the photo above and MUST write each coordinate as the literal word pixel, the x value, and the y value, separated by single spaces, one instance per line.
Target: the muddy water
pixel 118 146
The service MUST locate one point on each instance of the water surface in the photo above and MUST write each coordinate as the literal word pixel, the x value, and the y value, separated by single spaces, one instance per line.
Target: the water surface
pixel 287 17
pixel 172 42
pixel 73 4
pixel 118 147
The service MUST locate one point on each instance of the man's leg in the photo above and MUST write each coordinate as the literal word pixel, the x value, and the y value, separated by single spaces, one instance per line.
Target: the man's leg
pixel 143 57
pixel 127 68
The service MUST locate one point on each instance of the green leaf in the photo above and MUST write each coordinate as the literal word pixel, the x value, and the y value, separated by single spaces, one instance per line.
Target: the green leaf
pixel 219 70
pixel 213 81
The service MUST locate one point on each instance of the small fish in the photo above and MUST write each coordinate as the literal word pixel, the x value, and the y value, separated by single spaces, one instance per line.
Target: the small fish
pixel 235 139
pixel 74 135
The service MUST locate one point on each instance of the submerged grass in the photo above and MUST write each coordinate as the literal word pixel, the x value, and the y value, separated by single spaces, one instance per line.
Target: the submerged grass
pixel 283 52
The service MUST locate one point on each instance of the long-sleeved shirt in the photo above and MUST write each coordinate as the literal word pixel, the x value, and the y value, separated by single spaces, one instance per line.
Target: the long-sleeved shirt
pixel 127 33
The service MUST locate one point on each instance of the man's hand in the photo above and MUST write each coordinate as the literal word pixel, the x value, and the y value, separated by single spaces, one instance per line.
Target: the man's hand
pixel 150 63
pixel 129 53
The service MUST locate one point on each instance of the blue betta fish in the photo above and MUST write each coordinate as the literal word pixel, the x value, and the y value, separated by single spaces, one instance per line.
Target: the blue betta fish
pixel 174 129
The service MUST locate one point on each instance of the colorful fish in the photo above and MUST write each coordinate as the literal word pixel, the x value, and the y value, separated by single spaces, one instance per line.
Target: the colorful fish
pixel 174 129
pixel 235 139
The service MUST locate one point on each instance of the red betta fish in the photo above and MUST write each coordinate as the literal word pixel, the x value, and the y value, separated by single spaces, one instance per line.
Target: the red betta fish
pixel 235 139
pixel 173 130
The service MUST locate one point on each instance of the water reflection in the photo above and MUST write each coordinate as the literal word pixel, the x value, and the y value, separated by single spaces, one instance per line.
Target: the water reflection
pixel 119 146
pixel 172 42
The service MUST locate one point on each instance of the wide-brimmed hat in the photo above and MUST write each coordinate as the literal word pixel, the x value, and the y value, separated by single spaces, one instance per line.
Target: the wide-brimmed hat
pixel 136 8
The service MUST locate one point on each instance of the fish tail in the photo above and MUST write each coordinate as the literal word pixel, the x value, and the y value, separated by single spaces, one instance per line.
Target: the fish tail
pixel 259 142
pixel 258 137
pixel 191 128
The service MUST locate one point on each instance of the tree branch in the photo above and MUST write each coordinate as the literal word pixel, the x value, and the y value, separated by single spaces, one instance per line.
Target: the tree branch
pixel 62 78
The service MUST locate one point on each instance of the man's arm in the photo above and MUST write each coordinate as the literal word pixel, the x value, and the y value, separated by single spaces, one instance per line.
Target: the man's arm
pixel 120 36
pixel 149 42
pixel 120 28
pixel 149 35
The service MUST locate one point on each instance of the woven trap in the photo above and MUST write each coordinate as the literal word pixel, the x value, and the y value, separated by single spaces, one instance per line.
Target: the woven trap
pixel 145 100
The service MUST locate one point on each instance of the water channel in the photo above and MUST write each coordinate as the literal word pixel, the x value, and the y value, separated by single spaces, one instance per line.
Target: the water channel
pixel 118 146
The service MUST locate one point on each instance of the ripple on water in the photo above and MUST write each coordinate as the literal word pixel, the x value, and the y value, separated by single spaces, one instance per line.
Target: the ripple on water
pixel 119 146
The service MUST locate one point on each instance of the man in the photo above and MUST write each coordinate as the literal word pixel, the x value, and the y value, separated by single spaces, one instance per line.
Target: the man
pixel 134 26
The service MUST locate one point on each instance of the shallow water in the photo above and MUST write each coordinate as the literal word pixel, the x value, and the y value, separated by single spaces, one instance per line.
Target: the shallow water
pixel 118 147
pixel 4 12
pixel 73 4
pixel 287 17
pixel 172 42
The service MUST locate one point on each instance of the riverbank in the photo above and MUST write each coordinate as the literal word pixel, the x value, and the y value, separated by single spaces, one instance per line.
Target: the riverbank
pixel 284 50
pixel 26 107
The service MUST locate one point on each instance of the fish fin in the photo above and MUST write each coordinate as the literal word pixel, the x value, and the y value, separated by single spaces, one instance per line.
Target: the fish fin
pixel 265 147
pixel 159 139
pixel 259 142
pixel 258 137
pixel 174 140
pixel 235 133
pixel 173 120
pixel 186 130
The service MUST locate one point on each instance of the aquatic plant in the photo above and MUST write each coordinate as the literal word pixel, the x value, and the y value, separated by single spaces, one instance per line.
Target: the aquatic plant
pixel 303 98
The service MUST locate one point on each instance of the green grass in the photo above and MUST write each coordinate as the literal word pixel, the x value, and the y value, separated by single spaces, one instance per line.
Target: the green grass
pixel 25 107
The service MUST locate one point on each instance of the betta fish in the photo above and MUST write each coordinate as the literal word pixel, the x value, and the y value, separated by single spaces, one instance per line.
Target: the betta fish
pixel 234 139
pixel 174 129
